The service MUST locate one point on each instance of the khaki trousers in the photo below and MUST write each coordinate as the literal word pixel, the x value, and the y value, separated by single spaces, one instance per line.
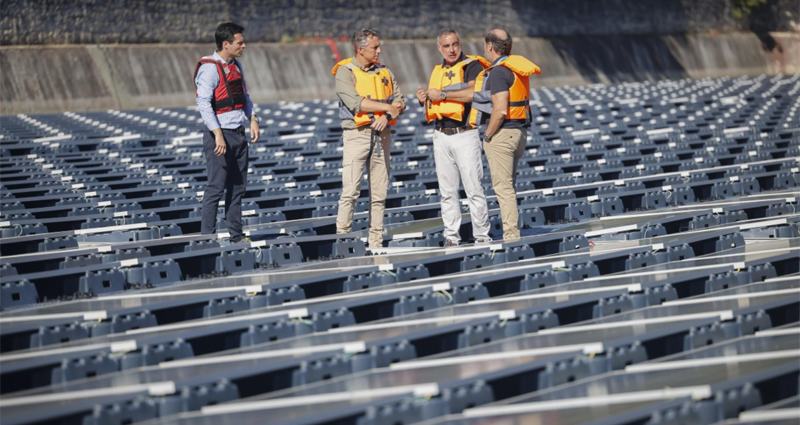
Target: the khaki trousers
pixel 503 153
pixel 356 151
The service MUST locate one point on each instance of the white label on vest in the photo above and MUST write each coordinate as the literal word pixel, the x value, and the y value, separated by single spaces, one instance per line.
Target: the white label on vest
pixel 640 167
pixel 104 204
pixel 685 174
pixel 658 154
pixel 412 163
pixel 260 150
pixel 734 178
pixel 57 172
pixel 183 185
pixel 78 186
pixel 592 198
pixel 181 150
pixel 248 212
pixel 290 184
pixel 601 161
pixel 538 168
pixel 619 182
pixel 196 154
pixel 121 214
pixel 136 166
pixel 547 191
pixel 752 153
pixel 397 184
pixel 90 194
pixel 38 160
pixel 315 193
pixel 672 144
pixel 577 174
pixel 125 160
pixel 666 188
pixel 744 166
pixel 319 164
pixel 113 154
pixel 279 154
pixel 430 192
pixel 152 171
pixel 66 179
pixel 166 178
pixel 795 170
pixel 699 160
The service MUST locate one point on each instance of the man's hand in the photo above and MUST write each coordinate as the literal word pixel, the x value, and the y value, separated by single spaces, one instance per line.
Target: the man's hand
pixel 422 96
pixel 434 94
pixel 254 131
pixel 395 109
pixel 220 147
pixel 380 123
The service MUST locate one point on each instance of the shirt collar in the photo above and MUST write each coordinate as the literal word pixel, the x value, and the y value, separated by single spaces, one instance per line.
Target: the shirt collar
pixel 460 58
pixel 216 56
pixel 369 66
pixel 499 59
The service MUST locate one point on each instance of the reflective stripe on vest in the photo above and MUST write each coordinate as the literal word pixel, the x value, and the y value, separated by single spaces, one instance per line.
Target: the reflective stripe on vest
pixel 447 79
pixel 377 87
pixel 230 93
pixel 518 97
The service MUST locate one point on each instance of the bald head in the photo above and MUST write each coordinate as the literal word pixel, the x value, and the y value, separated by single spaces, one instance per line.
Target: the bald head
pixel 499 41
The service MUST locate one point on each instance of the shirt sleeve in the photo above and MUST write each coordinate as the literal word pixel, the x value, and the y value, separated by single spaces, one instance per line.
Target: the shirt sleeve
pixel 502 79
pixel 206 81
pixel 346 90
pixel 472 71
pixel 398 95
pixel 248 109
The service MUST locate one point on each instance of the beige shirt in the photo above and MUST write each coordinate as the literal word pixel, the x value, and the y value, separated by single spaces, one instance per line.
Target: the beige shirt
pixel 346 90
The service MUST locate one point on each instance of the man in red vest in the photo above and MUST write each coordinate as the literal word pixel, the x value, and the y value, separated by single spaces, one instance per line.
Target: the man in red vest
pixel 226 109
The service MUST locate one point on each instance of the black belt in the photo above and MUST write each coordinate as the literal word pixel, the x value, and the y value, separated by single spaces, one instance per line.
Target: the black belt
pixel 454 130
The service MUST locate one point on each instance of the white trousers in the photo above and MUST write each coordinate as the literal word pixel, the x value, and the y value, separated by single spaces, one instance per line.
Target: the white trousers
pixel 458 158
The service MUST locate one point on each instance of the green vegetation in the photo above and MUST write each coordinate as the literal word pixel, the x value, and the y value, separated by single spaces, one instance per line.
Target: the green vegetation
pixel 742 8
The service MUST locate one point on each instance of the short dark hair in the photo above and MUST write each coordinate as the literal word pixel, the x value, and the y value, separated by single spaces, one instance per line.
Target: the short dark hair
pixel 360 37
pixel 225 32
pixel 503 47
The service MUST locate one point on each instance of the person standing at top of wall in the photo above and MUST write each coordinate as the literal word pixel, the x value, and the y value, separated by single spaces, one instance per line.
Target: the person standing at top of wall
pixel 456 143
pixel 502 102
pixel 226 109
pixel 369 103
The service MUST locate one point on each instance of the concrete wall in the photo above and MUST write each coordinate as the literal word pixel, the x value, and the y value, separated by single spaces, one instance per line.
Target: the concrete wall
pixel 193 21
pixel 80 78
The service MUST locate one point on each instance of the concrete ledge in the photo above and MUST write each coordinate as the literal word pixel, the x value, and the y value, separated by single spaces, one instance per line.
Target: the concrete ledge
pixel 98 77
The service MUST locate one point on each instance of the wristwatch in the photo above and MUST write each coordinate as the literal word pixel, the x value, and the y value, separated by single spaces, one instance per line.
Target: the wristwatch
pixel 389 117
pixel 487 138
pixel 443 95
pixel 254 117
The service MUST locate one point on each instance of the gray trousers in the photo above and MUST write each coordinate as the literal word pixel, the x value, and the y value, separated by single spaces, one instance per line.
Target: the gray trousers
pixel 458 160
pixel 228 174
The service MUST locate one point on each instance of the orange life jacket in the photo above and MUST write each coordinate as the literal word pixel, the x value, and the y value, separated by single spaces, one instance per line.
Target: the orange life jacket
pixel 377 87
pixel 519 107
pixel 449 79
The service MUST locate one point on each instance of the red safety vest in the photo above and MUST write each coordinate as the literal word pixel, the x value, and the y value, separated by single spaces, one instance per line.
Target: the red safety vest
pixel 230 92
